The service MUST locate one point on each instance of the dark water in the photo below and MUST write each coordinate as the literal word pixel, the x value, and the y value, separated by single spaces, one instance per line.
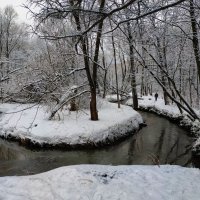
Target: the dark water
pixel 161 142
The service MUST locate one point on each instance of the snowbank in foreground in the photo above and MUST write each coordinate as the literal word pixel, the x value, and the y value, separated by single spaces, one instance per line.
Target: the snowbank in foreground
pixel 73 128
pixel 95 182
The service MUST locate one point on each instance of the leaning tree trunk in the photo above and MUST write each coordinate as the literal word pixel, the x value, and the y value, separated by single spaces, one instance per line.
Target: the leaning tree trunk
pixel 186 107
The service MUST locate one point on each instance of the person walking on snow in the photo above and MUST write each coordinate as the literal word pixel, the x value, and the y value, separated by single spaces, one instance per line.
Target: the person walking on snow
pixel 156 96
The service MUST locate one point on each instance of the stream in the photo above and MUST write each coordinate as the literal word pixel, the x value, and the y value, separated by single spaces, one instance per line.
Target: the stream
pixel 161 142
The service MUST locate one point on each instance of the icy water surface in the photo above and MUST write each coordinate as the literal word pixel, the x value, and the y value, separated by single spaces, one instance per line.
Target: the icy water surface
pixel 161 142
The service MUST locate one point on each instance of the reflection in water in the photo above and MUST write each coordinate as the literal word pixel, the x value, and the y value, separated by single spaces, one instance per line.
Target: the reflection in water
pixel 161 142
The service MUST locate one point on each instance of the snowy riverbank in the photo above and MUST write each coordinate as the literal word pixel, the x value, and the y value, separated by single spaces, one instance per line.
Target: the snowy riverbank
pixel 96 182
pixel 70 129
pixel 148 103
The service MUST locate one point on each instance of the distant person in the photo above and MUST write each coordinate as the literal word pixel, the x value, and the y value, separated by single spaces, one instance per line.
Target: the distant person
pixel 156 96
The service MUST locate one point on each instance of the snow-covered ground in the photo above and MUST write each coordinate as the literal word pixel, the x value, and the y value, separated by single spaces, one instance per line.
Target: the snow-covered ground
pixel 95 182
pixel 72 128
pixel 113 98
pixel 92 182
pixel 149 102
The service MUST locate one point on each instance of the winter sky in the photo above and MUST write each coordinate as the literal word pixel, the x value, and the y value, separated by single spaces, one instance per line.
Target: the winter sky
pixel 17 4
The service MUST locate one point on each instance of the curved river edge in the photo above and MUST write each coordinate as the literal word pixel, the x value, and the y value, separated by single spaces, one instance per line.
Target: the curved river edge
pixel 72 131
pixel 34 145
pixel 182 121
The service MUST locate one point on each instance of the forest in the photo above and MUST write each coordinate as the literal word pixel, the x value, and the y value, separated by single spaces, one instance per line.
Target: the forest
pixel 111 47
pixel 88 74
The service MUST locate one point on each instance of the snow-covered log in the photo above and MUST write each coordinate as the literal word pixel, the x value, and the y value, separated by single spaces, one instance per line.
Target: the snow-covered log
pixel 68 96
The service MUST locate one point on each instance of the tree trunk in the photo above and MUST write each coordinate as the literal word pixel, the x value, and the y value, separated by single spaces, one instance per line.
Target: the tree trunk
pixel 195 40
pixel 93 106
pixel 163 65
pixel 92 79
pixel 93 103
pixel 116 77
pixel 105 71
pixel 132 68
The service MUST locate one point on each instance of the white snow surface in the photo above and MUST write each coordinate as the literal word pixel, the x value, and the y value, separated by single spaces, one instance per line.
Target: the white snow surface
pixel 70 127
pixel 113 97
pixel 96 182
pixel 149 101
